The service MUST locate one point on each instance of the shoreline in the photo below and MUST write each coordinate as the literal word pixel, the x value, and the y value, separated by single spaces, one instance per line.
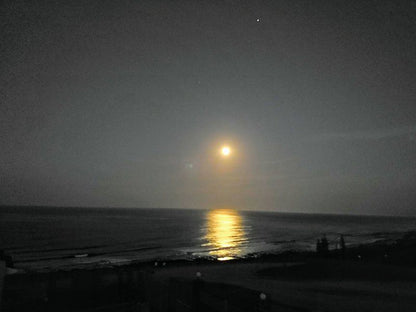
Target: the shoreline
pixel 376 251
pixel 144 283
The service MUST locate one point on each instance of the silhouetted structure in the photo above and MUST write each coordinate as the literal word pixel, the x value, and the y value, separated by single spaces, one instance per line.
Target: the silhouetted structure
pixel 325 245
pixel 342 245
pixel 318 246
pixel 322 246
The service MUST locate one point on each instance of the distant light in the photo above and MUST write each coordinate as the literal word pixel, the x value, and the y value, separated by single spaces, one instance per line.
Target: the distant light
pixel 257 20
pixel 198 274
pixel 263 296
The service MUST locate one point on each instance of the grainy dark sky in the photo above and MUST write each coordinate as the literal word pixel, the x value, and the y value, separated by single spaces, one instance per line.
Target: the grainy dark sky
pixel 125 103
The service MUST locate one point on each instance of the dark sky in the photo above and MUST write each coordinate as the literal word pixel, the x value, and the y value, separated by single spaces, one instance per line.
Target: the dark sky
pixel 126 103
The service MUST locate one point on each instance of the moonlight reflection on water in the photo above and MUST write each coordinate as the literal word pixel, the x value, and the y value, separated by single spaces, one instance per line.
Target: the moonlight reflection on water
pixel 224 233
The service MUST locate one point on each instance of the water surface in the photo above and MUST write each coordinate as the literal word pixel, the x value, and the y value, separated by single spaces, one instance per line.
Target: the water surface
pixel 47 238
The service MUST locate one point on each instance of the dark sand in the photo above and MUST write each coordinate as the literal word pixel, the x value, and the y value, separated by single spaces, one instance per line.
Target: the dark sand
pixel 376 277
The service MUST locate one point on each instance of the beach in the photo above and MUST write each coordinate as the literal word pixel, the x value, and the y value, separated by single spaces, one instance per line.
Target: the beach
pixel 373 277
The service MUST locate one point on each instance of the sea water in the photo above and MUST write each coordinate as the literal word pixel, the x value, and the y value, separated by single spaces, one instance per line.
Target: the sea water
pixel 47 238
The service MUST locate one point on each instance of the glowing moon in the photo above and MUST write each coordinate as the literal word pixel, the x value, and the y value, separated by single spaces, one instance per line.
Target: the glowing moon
pixel 225 151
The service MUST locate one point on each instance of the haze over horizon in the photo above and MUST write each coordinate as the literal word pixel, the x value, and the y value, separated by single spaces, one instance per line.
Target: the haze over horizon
pixel 127 104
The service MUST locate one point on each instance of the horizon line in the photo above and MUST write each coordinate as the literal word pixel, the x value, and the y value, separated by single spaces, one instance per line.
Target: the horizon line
pixel 187 208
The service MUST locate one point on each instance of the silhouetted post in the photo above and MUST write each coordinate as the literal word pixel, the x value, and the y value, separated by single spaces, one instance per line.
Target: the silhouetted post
pixel 196 292
pixel 318 246
pixel 342 243
pixel 324 245
pixel 263 303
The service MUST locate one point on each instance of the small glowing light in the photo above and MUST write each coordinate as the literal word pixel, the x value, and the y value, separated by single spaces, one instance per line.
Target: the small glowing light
pixel 258 20
pixel 225 151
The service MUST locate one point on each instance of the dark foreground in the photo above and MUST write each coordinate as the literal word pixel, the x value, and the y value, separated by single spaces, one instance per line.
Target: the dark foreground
pixel 377 277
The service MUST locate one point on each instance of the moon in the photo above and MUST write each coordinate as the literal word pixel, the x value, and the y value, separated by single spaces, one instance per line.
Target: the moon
pixel 225 151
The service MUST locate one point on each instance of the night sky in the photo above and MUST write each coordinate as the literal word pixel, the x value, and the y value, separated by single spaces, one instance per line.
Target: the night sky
pixel 126 104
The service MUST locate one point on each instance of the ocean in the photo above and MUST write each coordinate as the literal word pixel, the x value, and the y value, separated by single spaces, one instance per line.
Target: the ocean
pixel 46 238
